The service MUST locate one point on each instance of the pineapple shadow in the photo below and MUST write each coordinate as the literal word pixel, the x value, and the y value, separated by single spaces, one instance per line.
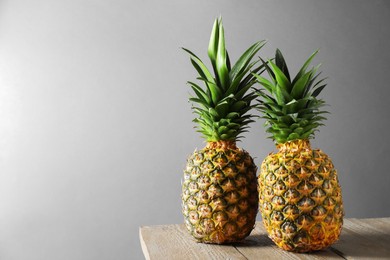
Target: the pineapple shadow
pixel 366 245
pixel 261 240
pixel 349 245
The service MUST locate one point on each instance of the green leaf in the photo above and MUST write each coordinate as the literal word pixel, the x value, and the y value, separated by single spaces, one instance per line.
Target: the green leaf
pixel 265 83
pixel 228 61
pixel 318 118
pixel 318 90
pixel 200 67
pixel 227 98
pixel 222 108
pixel 298 130
pixel 281 79
pixel 280 62
pixel 307 116
pixel 269 71
pixel 315 103
pixel 233 132
pixel 250 78
pixel 275 114
pixel 213 44
pixel 300 86
pixel 201 123
pixel 316 83
pixel 232 115
pixel 286 120
pixel 244 128
pixel 312 80
pixel 248 121
pixel 244 90
pixel 233 126
pixel 216 92
pixel 246 109
pixel 214 114
pixel 245 59
pixel 295 106
pixel 199 111
pixel 294 117
pixel 237 106
pixel 293 126
pixel 282 125
pixel 207 119
pixel 205 129
pixel 310 127
pixel 236 82
pixel 304 67
pixel 205 76
pixel 199 92
pixel 249 97
pixel 307 134
pixel 199 101
pixel 226 137
pixel 303 122
pixel 293 136
pixel 279 138
pixel 222 129
pixel 221 64
pixel 280 99
pixel 284 131
pixel 270 101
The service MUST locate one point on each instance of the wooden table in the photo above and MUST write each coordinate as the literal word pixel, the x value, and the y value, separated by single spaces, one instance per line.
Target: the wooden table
pixel 360 239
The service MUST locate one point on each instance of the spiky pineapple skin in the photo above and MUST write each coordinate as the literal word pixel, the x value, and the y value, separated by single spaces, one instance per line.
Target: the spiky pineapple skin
pixel 300 198
pixel 219 194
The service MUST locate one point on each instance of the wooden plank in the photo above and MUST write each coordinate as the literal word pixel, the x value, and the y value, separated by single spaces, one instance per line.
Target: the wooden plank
pixel 370 230
pixel 173 242
pixel 359 240
pixel 258 244
pixel 379 224
pixel 144 247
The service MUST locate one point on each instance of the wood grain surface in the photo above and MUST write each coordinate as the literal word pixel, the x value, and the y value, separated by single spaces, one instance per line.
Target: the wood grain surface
pixel 360 239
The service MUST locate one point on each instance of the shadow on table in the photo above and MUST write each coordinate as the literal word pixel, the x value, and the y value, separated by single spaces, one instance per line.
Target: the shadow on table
pixel 255 241
pixel 365 244
pixel 263 240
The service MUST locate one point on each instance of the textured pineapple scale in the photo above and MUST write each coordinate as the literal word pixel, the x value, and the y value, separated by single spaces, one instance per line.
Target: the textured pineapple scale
pixel 300 198
pixel 220 197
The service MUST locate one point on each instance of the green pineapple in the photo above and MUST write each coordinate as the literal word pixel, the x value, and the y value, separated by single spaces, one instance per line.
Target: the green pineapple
pixel 219 191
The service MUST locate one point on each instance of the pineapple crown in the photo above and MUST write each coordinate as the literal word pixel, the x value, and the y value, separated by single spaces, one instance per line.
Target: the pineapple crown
pixel 291 108
pixel 222 104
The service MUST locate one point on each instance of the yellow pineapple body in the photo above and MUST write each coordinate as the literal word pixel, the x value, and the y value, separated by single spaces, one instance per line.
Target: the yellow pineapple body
pixel 219 193
pixel 300 198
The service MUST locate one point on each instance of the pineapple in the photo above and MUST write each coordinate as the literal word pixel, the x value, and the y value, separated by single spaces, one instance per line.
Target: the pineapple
pixel 299 192
pixel 219 191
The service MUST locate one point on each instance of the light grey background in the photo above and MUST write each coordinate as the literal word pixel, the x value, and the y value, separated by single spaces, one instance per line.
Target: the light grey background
pixel 95 126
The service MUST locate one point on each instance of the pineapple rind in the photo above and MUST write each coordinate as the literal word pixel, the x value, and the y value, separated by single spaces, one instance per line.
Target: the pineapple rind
pixel 219 194
pixel 300 198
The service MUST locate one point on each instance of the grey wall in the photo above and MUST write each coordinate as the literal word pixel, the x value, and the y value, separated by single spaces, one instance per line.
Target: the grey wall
pixel 95 126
